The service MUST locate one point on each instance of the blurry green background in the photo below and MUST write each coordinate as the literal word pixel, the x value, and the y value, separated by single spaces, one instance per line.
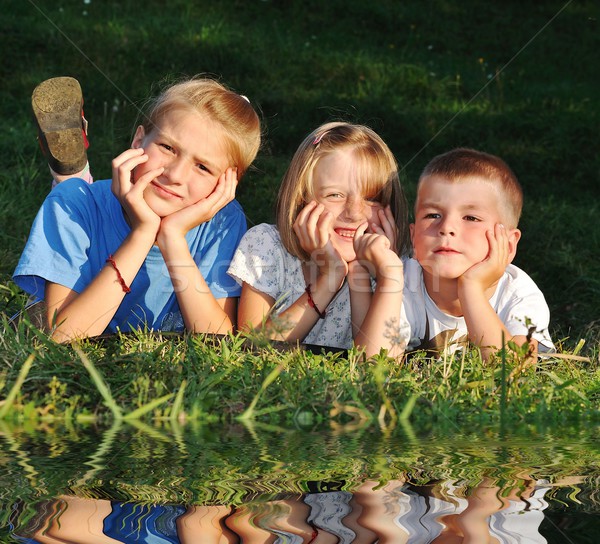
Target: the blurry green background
pixel 517 79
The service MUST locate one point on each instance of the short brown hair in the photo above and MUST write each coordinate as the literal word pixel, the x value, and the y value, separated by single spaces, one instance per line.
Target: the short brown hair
pixel 462 162
pixel 380 176
pixel 231 111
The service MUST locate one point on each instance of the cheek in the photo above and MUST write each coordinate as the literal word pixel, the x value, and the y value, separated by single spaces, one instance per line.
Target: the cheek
pixel 201 190
pixel 373 214
pixel 478 241
pixel 137 172
pixel 331 207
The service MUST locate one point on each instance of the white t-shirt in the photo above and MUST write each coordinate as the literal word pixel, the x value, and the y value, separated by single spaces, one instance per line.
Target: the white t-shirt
pixel 516 299
pixel 263 263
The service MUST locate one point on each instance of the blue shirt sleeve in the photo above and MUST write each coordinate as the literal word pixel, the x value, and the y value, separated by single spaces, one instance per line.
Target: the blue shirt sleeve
pixel 58 248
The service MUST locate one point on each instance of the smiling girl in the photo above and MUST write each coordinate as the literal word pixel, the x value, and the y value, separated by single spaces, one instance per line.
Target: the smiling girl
pixel 329 273
pixel 150 248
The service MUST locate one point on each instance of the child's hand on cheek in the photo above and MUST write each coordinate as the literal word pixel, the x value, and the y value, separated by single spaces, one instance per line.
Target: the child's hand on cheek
pixel 182 221
pixel 388 226
pixel 486 273
pixel 374 249
pixel 131 194
pixel 313 227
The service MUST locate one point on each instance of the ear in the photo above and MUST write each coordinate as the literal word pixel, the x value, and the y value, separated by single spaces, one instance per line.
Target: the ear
pixel 514 235
pixel 138 139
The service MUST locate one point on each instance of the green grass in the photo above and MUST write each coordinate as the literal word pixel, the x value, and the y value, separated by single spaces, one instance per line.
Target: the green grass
pixel 224 379
pixel 512 78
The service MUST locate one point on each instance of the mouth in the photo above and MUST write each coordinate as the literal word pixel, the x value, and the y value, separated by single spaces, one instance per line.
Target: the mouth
pixel 446 251
pixel 164 192
pixel 346 234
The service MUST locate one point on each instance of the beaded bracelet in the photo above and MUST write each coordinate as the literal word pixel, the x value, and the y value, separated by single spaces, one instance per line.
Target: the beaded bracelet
pixel 312 303
pixel 119 277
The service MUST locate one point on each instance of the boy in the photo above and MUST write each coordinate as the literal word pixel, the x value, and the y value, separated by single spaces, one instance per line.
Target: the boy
pixel 460 284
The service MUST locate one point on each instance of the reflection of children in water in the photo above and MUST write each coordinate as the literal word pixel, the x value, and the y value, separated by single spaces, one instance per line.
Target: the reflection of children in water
pixel 487 514
pixel 394 513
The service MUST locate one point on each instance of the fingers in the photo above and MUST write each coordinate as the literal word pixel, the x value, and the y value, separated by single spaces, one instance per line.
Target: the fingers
pixel 361 230
pixel 124 187
pixel 312 226
pixel 498 244
pixel 488 271
pixel 224 191
pixel 122 168
pixel 502 243
pixel 206 208
pixel 388 225
pixel 370 246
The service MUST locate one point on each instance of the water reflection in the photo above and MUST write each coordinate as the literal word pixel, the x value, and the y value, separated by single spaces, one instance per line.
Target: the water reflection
pixel 136 483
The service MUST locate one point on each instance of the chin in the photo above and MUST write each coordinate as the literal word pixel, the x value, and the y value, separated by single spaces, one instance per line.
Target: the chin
pixel 162 211
pixel 347 255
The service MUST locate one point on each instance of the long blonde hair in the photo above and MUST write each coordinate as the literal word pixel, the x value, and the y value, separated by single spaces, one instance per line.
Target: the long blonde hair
pixel 379 176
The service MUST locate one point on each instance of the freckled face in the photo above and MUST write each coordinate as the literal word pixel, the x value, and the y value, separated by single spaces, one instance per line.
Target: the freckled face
pixel 192 150
pixel 337 187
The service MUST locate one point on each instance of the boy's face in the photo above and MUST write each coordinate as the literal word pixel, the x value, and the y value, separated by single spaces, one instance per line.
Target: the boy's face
pixel 451 220
pixel 337 187
pixel 192 151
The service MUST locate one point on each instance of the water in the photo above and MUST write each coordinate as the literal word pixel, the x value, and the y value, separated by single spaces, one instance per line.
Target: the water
pixel 261 484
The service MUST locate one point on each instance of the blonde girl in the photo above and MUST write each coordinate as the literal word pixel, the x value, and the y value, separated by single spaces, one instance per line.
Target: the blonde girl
pixel 150 248
pixel 341 221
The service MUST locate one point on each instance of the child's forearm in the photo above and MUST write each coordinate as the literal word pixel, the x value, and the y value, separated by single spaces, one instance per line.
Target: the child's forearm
pixel 381 327
pixel 294 323
pixel 485 328
pixel 79 315
pixel 361 294
pixel 200 310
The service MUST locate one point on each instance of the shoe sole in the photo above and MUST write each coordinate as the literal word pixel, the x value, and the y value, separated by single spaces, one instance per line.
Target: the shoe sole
pixel 57 106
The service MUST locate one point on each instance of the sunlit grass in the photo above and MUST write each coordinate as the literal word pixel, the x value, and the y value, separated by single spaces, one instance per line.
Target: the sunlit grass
pixel 142 375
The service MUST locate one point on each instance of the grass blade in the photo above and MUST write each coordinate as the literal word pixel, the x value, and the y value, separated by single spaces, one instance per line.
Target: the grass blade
pixel 100 385
pixel 142 410
pixel 178 402
pixel 249 412
pixel 16 386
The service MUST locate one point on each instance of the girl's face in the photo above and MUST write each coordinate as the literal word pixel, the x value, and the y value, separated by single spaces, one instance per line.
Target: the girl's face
pixel 337 186
pixel 192 150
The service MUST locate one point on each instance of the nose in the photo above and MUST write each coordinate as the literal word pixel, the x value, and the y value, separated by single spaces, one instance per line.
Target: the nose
pixel 446 227
pixel 355 209
pixel 175 169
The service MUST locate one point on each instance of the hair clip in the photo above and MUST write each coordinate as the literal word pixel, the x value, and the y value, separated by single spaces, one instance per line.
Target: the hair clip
pixel 245 98
pixel 318 138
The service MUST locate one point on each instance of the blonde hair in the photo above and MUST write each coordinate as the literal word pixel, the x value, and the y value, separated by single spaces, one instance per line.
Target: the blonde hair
pixel 461 163
pixel 231 111
pixel 379 174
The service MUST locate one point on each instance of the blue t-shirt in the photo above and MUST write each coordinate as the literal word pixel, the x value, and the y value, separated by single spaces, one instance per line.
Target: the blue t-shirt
pixel 80 225
pixel 143 524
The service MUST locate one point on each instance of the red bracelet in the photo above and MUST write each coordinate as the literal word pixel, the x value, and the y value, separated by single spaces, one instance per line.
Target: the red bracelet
pixel 312 303
pixel 119 277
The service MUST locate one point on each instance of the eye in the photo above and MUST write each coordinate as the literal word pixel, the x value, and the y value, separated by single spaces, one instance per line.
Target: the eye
pixel 471 218
pixel 203 168
pixel 334 195
pixel 167 147
pixel 432 215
